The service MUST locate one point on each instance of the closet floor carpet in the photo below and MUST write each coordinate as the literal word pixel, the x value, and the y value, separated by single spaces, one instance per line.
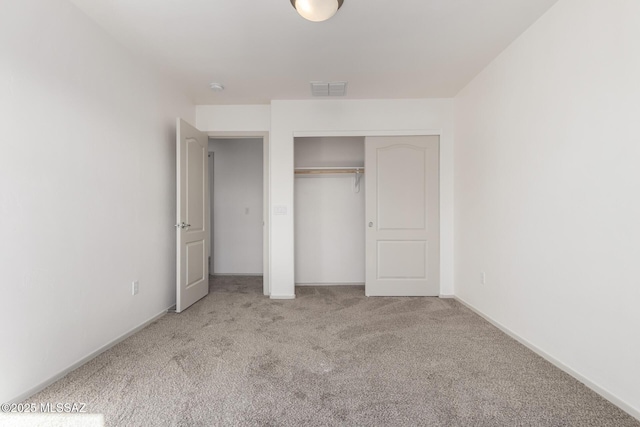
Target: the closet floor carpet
pixel 329 357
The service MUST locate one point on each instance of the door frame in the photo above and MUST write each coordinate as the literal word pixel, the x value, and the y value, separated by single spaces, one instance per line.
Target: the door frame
pixel 416 132
pixel 211 160
pixel 266 189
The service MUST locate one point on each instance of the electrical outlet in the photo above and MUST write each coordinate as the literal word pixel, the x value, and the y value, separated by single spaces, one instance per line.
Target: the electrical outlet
pixel 483 278
pixel 134 288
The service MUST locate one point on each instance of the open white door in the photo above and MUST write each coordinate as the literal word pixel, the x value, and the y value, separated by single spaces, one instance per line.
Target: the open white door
pixel 402 211
pixel 192 223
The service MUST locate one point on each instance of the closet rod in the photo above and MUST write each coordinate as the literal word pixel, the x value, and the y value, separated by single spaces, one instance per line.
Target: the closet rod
pixel 327 171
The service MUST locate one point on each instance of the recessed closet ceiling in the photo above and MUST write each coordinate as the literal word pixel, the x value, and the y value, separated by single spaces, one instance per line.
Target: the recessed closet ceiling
pixel 263 50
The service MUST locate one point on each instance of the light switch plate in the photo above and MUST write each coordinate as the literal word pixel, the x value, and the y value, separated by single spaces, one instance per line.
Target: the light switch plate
pixel 280 210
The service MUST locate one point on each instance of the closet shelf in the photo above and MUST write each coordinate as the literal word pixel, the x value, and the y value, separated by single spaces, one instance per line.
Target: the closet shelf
pixel 328 170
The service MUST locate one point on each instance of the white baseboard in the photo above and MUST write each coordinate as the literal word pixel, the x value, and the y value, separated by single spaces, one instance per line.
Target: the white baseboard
pixel 593 386
pixel 331 284
pixel 84 360
pixel 275 296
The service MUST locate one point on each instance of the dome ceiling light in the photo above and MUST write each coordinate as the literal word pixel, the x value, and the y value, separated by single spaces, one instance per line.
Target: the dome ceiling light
pixel 317 10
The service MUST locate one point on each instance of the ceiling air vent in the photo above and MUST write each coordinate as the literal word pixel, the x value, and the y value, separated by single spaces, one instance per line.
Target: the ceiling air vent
pixel 319 89
pixel 337 88
pixel 328 88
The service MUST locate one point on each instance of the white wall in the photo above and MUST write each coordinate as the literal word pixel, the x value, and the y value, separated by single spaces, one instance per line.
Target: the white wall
pixel 346 117
pixel 237 206
pixel 87 190
pixel 547 200
pixel 233 118
pixel 329 213
pixel 337 118
pixel 328 152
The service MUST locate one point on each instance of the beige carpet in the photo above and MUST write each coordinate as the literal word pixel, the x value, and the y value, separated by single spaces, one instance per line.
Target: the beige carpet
pixel 329 357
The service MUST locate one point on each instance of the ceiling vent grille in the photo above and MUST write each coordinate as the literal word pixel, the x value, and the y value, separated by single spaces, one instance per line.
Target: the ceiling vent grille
pixel 328 88
pixel 319 89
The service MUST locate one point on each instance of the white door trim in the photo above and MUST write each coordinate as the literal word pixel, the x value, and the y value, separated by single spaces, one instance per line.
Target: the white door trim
pixel 211 160
pixel 415 132
pixel 266 197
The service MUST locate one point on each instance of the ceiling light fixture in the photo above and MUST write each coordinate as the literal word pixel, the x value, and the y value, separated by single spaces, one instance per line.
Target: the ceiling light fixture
pixel 317 10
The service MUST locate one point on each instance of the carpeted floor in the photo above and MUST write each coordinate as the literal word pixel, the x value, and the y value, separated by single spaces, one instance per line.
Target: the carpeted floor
pixel 330 357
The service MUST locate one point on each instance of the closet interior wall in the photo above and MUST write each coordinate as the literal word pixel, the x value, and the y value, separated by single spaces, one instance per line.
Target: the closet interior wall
pixel 329 212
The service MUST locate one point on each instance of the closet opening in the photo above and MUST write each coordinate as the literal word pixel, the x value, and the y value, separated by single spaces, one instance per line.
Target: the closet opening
pixel 329 211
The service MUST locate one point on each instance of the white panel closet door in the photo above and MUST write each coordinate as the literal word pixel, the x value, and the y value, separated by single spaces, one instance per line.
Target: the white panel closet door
pixel 193 215
pixel 402 211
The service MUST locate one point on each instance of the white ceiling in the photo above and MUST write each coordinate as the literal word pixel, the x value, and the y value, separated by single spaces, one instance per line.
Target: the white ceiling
pixel 262 50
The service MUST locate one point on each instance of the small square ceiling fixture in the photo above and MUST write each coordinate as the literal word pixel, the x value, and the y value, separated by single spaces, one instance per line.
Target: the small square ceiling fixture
pixel 328 88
